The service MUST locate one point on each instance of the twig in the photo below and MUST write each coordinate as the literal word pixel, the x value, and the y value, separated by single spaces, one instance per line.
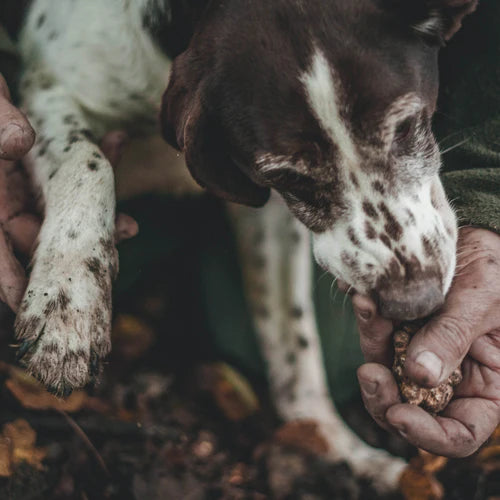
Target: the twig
pixel 88 443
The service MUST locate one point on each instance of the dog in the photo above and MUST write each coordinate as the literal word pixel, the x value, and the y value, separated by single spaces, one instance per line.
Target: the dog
pixel 318 112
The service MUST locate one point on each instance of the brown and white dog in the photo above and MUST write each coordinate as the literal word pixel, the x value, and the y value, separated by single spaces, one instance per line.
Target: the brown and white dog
pixel 327 104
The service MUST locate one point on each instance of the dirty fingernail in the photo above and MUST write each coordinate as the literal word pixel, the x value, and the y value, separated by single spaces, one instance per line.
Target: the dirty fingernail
pixel 431 363
pixel 365 315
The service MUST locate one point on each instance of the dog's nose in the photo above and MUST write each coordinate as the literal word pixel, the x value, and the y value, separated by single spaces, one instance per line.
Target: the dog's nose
pixel 410 301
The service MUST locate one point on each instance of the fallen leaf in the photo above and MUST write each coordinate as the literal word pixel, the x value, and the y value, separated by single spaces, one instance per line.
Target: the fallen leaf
pixel 418 481
pixel 17 445
pixel 33 395
pixel 231 391
pixel 432 463
pixel 418 485
pixel 488 457
pixel 302 435
pixel 131 337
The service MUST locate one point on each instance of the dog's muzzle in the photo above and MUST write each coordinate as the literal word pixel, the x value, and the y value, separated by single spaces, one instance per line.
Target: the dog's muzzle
pixel 412 301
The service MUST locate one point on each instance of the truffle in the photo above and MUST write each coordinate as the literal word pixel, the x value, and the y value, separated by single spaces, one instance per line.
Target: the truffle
pixel 434 400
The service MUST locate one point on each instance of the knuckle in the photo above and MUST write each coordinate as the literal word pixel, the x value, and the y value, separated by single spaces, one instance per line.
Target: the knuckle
pixel 455 334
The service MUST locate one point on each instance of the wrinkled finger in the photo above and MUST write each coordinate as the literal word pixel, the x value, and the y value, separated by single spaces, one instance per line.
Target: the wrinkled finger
pixel 12 277
pixel 439 348
pixel 375 331
pixel 379 391
pixel 23 231
pixel 16 134
pixel 126 227
pixel 113 145
pixel 463 428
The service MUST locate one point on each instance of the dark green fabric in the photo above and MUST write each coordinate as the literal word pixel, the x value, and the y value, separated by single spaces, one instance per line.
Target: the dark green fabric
pixel 9 62
pixel 468 118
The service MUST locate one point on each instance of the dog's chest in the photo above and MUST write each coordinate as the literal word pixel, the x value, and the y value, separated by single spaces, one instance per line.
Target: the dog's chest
pixel 102 54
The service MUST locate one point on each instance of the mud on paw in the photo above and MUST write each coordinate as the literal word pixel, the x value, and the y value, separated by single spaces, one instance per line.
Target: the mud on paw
pixel 63 326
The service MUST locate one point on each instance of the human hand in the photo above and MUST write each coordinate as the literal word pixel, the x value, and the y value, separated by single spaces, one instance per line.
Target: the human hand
pixel 466 331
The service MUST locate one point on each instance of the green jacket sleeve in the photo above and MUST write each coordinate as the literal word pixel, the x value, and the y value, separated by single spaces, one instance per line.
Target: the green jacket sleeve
pixel 468 118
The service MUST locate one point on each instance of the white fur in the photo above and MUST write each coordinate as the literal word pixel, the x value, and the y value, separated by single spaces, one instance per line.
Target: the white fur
pixel 324 95
pixel 298 385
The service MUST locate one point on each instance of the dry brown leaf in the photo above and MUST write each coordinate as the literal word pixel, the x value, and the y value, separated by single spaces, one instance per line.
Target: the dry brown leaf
pixel 131 337
pixel 302 435
pixel 489 455
pixel 17 445
pixel 418 485
pixel 232 392
pixel 33 395
pixel 431 463
pixel 418 481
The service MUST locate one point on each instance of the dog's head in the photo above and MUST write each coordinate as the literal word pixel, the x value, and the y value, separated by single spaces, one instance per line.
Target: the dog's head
pixel 330 104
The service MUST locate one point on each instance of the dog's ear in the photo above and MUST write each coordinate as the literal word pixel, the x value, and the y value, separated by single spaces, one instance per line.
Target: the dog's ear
pixel 435 20
pixel 190 124
pixel 443 18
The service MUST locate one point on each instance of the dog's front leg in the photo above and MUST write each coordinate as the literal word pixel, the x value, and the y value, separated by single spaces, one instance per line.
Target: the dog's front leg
pixel 64 319
pixel 276 260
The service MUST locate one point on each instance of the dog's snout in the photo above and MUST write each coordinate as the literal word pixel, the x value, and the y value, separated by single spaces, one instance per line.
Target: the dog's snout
pixel 412 301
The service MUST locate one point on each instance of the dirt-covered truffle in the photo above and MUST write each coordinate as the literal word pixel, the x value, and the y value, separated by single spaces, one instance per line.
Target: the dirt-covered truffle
pixel 433 400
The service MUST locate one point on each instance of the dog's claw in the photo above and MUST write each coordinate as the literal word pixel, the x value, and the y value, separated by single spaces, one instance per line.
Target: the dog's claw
pixel 23 349
pixel 60 392
pixel 94 366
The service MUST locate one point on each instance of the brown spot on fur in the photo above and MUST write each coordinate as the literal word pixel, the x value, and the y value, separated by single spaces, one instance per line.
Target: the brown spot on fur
pixel 50 349
pixel 354 180
pixel 411 217
pixel 352 236
pixel 303 342
pixel 28 327
pixel 370 210
pixel 297 312
pixel 392 227
pixel 94 266
pixel 385 240
pixel 429 249
pixel 370 232
pixel 378 187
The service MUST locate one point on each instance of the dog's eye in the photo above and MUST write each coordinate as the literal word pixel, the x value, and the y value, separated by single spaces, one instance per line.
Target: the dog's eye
pixel 404 130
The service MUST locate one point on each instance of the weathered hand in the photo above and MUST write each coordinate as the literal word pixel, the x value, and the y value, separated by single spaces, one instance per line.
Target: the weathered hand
pixel 467 331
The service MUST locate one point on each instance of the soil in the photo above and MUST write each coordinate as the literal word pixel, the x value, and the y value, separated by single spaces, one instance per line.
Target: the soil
pixel 157 427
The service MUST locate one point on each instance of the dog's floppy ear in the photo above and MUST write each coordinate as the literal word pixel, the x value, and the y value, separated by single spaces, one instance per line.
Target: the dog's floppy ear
pixel 190 125
pixel 444 17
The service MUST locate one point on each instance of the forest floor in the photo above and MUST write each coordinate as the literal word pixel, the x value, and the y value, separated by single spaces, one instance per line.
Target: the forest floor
pixel 190 429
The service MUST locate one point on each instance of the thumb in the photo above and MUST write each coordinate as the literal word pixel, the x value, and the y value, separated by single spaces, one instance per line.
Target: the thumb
pixel 439 348
pixel 16 134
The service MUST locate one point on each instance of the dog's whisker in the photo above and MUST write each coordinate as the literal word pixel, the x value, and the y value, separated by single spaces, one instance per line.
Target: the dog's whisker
pixel 451 148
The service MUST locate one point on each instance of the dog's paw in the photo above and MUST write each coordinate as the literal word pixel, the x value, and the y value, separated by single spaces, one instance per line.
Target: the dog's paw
pixel 64 321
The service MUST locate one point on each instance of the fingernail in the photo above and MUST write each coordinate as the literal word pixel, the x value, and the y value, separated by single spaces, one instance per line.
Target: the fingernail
pixel 369 387
pixel 431 363
pixel 9 131
pixel 402 431
pixel 365 315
